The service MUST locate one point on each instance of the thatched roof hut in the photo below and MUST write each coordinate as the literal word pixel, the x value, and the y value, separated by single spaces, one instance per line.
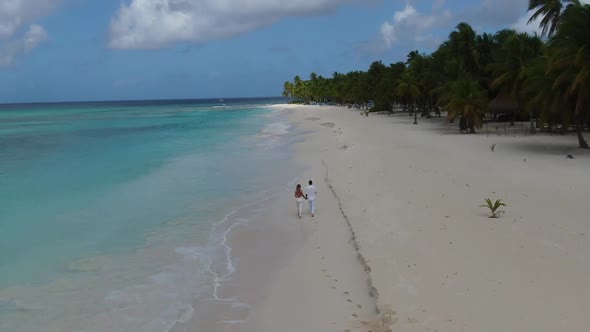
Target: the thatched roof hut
pixel 503 104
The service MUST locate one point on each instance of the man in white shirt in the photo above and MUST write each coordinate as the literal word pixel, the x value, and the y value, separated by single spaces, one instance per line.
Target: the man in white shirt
pixel 311 193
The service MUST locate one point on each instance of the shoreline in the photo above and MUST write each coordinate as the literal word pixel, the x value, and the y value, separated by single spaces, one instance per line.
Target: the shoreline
pixel 289 268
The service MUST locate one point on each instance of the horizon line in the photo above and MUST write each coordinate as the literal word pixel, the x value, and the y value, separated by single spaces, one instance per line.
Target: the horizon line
pixel 135 100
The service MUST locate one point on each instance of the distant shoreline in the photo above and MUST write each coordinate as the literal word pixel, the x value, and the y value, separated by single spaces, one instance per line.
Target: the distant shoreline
pixel 141 101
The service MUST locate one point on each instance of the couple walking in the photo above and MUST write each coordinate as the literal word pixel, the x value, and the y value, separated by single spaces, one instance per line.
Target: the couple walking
pixel 310 194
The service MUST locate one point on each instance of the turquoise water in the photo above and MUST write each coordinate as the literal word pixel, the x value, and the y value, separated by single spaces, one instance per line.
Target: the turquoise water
pixel 102 197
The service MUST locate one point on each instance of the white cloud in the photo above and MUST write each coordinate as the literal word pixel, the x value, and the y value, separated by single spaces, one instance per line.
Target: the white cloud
pixel 15 14
pixel 35 36
pixel 388 33
pixel 409 24
pixel 404 14
pixel 15 17
pixel 486 15
pixel 30 40
pixel 494 14
pixel 522 25
pixel 148 24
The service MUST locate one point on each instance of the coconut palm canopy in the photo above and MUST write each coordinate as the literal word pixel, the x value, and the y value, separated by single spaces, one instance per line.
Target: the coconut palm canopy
pixel 548 79
pixel 503 104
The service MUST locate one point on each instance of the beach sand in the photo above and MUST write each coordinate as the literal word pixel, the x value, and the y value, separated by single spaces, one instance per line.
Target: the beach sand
pixel 412 195
pixel 400 243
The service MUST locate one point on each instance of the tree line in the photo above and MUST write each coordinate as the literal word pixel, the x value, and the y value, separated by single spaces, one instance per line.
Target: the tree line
pixel 545 78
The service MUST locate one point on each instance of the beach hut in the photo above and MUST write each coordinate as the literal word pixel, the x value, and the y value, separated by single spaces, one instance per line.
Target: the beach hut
pixel 503 107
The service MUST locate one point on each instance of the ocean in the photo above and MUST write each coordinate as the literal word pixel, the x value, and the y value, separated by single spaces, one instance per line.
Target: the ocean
pixel 112 214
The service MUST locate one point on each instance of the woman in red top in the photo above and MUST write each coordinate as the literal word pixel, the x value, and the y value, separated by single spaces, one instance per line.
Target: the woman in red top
pixel 299 196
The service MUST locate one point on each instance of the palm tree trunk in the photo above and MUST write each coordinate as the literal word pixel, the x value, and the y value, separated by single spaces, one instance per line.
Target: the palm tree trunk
pixel 471 126
pixel 521 108
pixel 581 141
pixel 415 117
pixel 580 122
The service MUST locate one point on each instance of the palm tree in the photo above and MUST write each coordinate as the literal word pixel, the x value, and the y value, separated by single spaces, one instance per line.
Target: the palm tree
pixel 298 88
pixel 503 35
pixel 408 90
pixel 422 68
pixel 465 98
pixel 510 66
pixel 551 11
pixel 539 90
pixel 571 48
pixel 288 90
pixel 376 76
pixel 395 71
pixel 485 51
pixel 463 46
pixel 468 69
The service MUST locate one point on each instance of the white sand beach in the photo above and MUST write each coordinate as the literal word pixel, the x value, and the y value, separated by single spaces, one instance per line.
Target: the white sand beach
pixel 411 197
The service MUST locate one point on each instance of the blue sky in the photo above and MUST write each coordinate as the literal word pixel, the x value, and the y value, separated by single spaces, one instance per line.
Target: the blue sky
pixel 68 50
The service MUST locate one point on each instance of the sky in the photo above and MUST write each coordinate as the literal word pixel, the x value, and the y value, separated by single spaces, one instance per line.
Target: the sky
pixel 88 50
